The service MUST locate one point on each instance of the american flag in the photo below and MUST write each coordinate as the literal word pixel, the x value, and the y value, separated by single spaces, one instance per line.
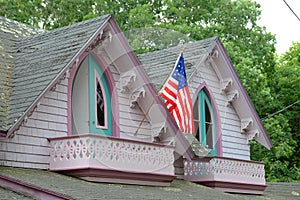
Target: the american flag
pixel 177 98
pixel 100 101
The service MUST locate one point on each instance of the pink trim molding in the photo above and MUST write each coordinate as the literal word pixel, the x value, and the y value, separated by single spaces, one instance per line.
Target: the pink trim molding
pixel 243 91
pixel 189 153
pixel 98 80
pixel 113 176
pixel 236 187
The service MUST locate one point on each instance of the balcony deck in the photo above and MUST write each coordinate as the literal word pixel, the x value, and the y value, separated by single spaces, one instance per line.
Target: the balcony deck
pixel 226 174
pixel 107 159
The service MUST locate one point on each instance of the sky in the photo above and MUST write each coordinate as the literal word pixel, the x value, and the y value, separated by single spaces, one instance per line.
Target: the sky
pixel 280 21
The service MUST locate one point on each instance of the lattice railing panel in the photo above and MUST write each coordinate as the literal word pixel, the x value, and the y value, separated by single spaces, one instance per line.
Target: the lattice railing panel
pixel 224 169
pixel 110 153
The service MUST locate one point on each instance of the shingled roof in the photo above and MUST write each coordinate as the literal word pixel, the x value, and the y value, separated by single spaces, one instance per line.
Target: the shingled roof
pixel 158 64
pixel 11 32
pixel 32 60
pixel 79 189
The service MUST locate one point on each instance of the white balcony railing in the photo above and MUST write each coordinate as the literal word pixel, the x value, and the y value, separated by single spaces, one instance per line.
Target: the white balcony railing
pixel 225 170
pixel 98 152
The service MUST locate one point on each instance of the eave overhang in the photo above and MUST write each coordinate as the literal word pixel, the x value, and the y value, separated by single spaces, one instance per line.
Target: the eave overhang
pixel 251 125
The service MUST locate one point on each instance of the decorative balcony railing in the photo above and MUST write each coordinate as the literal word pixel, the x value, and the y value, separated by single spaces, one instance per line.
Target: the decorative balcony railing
pixel 231 175
pixel 98 152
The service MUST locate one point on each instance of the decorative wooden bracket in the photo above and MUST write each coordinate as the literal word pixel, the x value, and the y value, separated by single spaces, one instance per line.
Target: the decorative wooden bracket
pixel 100 42
pixel 231 96
pixel 215 53
pixel 252 135
pixel 245 124
pixel 135 96
pixel 126 80
pixel 225 85
pixel 157 130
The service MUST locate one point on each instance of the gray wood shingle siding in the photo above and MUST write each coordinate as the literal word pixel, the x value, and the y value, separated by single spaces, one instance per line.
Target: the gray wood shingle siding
pixel 37 60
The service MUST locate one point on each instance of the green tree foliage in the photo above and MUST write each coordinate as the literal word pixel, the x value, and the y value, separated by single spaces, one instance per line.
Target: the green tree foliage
pixel 288 92
pixel 283 162
pixel 149 26
pixel 279 165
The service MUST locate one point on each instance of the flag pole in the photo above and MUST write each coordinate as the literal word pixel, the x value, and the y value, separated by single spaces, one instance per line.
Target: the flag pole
pixel 150 106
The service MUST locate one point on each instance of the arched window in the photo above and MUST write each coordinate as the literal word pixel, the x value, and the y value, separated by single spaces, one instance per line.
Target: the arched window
pixel 205 122
pixel 99 100
pixel 91 100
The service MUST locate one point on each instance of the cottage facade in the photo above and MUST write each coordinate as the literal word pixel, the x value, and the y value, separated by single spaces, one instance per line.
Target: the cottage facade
pixel 77 100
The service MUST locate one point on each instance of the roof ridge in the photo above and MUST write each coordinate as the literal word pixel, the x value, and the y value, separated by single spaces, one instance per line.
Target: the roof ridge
pixel 214 38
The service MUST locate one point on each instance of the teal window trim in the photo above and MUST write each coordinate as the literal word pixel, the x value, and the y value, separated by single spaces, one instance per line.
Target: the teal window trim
pixel 203 101
pixel 95 74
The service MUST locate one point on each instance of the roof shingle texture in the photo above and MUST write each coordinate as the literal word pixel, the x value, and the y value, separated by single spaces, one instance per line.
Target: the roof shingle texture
pixel 179 189
pixel 159 64
pixel 8 194
pixel 37 60
pixel 11 32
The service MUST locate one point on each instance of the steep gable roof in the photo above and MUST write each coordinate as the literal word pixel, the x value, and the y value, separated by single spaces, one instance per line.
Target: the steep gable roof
pixel 39 59
pixel 158 65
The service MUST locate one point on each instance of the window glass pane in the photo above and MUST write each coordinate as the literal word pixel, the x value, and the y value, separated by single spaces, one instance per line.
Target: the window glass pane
pixel 208 127
pixel 100 105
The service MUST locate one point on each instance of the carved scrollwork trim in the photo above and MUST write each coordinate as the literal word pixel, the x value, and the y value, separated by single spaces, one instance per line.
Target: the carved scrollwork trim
pixel 252 135
pixel 126 80
pixel 246 124
pixel 225 85
pixel 100 42
pixel 135 96
pixel 232 96
pixel 215 53
pixel 157 130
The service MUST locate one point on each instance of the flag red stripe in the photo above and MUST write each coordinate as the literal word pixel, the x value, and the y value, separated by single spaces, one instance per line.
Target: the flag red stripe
pixel 181 105
pixel 170 92
pixel 174 85
pixel 178 99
